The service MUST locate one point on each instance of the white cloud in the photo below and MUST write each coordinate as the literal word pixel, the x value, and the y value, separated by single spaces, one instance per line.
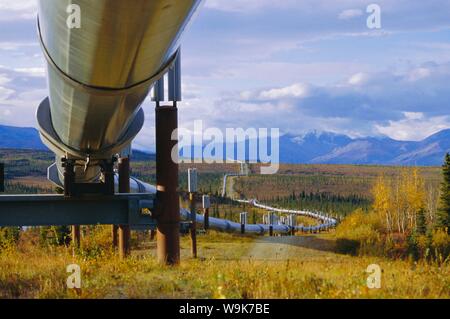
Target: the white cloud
pixel 419 73
pixel 12 46
pixel 414 127
pixel 414 115
pixel 298 90
pixel 5 93
pixel 247 5
pixel 350 13
pixel 4 79
pixel 358 79
pixel 11 10
pixel 21 92
pixel 38 72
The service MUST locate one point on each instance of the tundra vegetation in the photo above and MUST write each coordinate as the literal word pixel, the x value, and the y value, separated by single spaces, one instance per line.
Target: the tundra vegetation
pixel 395 217
pixel 406 219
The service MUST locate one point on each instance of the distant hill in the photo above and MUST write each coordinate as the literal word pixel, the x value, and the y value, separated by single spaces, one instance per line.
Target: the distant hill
pixel 310 148
pixel 329 148
pixel 20 138
pixel 23 138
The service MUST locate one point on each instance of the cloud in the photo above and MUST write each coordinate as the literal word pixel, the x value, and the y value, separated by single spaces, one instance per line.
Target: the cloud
pixel 414 127
pixel 21 91
pixel 350 13
pixel 13 10
pixel 367 103
pixel 358 79
pixel 5 93
pixel 247 5
pixel 290 64
pixel 35 71
pixel 298 90
pixel 13 46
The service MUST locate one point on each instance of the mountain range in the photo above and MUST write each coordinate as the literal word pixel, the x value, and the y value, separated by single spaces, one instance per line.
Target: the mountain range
pixel 310 148
pixel 330 148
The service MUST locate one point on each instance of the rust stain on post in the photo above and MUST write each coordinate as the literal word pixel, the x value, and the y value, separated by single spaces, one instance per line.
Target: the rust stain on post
pixel 115 235
pixel 76 236
pixel 124 187
pixel 2 177
pixel 206 218
pixel 193 225
pixel 167 200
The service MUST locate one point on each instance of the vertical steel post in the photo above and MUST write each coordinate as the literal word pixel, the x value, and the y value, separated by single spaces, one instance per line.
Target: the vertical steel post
pixel 192 189
pixel 167 200
pixel 69 177
pixel 271 223
pixel 69 181
pixel 152 234
pixel 109 181
pixel 76 236
pixel 108 173
pixel 124 187
pixel 206 203
pixel 206 218
pixel 292 223
pixel 193 225
pixel 115 235
pixel 2 177
pixel 243 220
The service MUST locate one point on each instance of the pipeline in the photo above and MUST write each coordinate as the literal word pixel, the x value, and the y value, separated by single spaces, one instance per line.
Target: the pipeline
pixel 233 227
pixel 224 186
pixel 327 221
pixel 219 224
pixel 100 73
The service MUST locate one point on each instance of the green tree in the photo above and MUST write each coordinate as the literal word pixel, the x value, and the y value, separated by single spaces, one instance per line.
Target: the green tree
pixel 421 227
pixel 55 235
pixel 9 235
pixel 444 204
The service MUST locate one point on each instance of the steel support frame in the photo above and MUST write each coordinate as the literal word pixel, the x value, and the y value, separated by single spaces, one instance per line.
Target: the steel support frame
pixel 47 210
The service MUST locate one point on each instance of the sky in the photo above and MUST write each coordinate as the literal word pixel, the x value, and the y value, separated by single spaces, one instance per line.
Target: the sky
pixel 296 65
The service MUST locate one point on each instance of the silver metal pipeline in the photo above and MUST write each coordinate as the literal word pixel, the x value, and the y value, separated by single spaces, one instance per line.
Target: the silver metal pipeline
pixel 100 73
pixel 326 220
pixel 233 227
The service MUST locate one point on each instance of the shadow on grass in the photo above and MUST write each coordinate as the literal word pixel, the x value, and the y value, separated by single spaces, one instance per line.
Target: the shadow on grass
pixel 308 242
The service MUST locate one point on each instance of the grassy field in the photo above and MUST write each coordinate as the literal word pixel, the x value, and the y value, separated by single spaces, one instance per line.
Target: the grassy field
pixel 229 267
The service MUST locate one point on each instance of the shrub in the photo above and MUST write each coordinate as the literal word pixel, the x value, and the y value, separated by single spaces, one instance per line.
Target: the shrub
pixel 9 235
pixel 418 246
pixel 358 233
pixel 440 244
pixel 55 235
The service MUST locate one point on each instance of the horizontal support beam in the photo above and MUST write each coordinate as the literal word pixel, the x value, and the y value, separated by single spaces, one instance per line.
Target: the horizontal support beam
pixel 46 210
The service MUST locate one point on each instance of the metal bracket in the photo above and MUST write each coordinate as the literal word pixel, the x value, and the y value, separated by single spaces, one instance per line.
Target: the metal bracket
pixel 2 177
pixel 174 83
pixel 45 210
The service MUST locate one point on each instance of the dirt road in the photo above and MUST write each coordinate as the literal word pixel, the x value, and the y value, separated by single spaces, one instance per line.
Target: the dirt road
pixel 296 247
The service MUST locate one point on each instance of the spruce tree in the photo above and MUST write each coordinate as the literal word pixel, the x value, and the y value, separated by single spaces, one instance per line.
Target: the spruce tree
pixel 421 227
pixel 444 205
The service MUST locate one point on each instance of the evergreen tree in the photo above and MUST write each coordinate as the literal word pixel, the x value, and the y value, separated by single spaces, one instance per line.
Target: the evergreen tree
pixel 9 235
pixel 421 227
pixel 55 235
pixel 444 205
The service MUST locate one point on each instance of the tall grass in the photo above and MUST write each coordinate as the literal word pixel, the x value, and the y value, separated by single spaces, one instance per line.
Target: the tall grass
pixel 224 271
